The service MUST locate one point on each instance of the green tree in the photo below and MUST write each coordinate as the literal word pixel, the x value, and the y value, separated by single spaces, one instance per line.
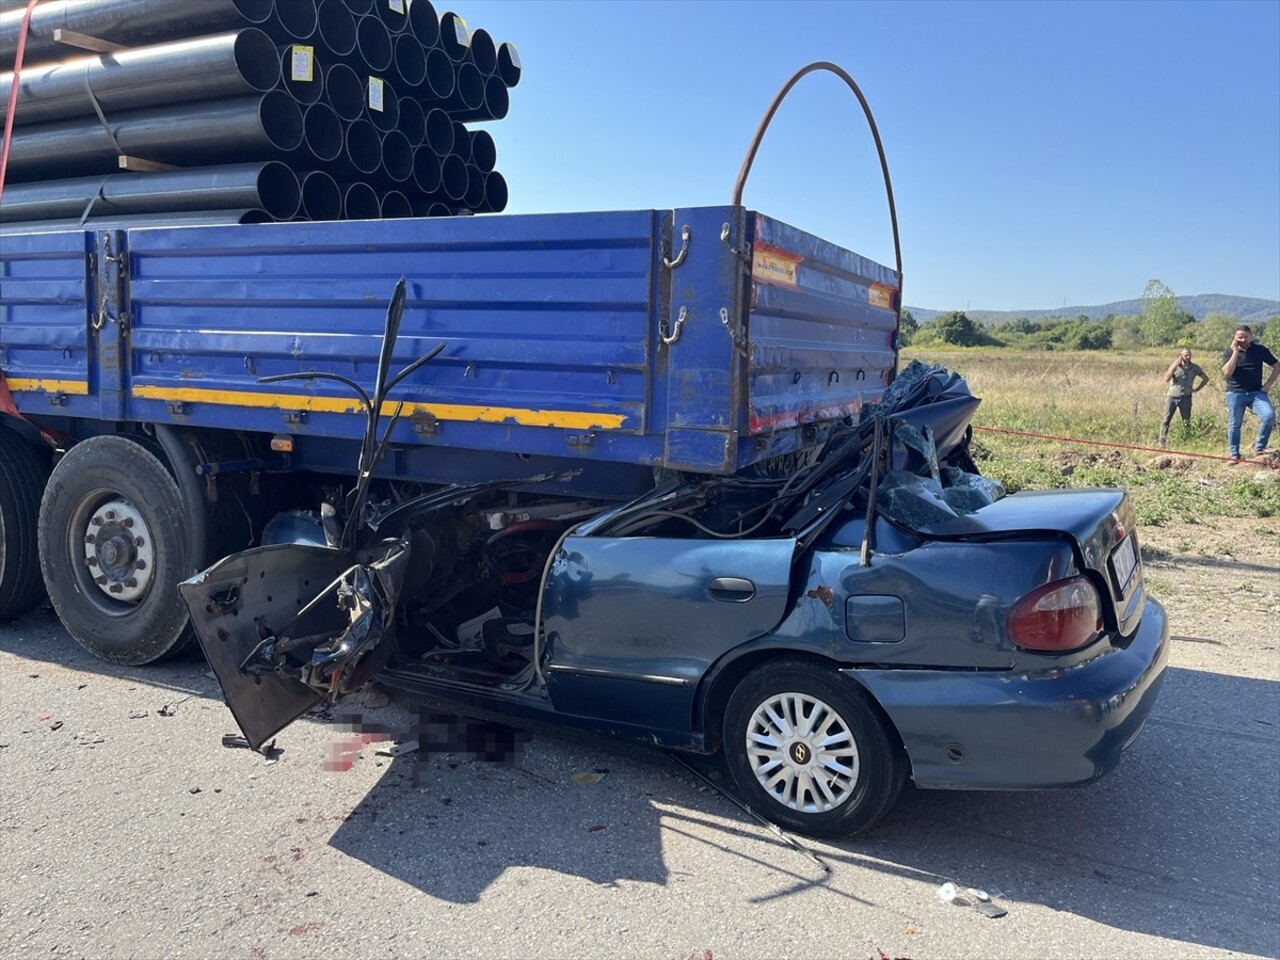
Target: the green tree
pixel 1125 333
pixel 1267 333
pixel 1162 316
pixel 956 328
pixel 1079 334
pixel 1213 333
pixel 1089 336
pixel 907 327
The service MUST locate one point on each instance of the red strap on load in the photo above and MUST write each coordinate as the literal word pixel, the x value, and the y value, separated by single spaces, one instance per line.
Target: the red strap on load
pixel 13 92
pixel 55 438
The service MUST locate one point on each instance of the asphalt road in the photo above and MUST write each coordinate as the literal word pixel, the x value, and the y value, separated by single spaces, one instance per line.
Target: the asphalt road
pixel 128 830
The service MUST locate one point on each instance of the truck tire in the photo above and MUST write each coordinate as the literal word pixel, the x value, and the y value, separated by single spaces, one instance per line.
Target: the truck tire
pixel 22 480
pixel 809 751
pixel 113 547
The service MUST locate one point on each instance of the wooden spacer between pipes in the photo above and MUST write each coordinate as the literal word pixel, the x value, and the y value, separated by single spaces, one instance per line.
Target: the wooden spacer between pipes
pixel 85 42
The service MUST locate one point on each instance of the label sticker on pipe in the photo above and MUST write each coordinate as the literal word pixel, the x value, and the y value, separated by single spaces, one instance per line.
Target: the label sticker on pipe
pixel 460 32
pixel 395 6
pixel 375 94
pixel 511 52
pixel 302 64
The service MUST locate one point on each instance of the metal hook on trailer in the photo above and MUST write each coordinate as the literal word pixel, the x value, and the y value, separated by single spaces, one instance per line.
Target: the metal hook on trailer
pixel 674 335
pixel 684 249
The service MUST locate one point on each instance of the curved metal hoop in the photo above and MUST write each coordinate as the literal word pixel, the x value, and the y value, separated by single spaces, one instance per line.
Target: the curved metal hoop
pixel 741 182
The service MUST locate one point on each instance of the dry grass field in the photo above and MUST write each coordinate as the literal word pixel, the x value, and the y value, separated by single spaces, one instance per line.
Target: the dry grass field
pixel 1088 395
pixel 1210 532
pixel 1102 405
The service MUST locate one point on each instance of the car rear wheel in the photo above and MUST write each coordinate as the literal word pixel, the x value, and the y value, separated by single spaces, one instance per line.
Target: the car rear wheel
pixel 22 480
pixel 809 750
pixel 113 546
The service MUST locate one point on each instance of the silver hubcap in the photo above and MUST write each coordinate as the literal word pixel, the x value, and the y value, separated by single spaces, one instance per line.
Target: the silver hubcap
pixel 118 550
pixel 802 753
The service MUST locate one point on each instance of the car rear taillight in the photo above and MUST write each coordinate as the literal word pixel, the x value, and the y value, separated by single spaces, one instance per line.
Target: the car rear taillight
pixel 1060 616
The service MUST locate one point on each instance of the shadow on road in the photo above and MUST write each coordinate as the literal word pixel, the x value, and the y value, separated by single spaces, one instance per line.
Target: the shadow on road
pixel 39 636
pixel 1181 842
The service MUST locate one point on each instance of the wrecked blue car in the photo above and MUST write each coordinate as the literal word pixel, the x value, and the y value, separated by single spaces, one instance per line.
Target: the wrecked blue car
pixel 870 611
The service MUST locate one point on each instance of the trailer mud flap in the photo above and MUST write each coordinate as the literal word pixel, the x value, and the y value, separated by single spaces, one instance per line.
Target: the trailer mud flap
pixel 289 625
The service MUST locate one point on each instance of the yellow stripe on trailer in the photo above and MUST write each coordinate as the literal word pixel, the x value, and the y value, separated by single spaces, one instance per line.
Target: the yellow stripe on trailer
pixel 78 388
pixel 440 411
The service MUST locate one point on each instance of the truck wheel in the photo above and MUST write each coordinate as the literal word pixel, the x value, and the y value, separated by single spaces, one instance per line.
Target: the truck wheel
pixel 113 547
pixel 22 480
pixel 809 751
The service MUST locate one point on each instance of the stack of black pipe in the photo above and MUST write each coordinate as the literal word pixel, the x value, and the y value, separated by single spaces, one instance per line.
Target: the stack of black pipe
pixel 242 111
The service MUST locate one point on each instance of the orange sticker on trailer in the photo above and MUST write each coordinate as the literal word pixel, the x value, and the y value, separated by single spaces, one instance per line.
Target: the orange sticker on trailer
pixel 775 265
pixel 878 295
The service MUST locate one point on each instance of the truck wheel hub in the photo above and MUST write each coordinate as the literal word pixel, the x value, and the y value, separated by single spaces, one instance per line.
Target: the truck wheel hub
pixel 118 550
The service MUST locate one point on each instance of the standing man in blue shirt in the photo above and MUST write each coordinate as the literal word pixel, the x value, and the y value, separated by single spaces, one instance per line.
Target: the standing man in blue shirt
pixel 1242 367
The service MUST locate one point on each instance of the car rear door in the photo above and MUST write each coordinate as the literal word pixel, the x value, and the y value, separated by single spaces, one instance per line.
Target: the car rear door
pixel 632 623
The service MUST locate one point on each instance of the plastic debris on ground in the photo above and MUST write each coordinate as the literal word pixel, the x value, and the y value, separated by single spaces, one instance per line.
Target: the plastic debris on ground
pixel 980 900
pixel 409 746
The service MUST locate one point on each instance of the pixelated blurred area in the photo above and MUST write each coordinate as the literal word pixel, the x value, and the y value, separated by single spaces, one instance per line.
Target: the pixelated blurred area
pixel 434 734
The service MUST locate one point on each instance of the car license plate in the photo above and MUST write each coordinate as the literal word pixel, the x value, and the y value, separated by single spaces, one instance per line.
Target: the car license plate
pixel 1124 561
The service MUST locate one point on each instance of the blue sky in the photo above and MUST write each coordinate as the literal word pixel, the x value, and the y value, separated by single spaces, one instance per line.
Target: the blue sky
pixel 1041 152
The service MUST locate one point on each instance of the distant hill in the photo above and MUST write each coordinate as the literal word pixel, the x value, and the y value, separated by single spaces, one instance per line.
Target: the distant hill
pixel 1244 309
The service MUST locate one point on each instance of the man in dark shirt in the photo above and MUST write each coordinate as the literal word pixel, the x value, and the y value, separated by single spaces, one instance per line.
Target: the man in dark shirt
pixel 1242 367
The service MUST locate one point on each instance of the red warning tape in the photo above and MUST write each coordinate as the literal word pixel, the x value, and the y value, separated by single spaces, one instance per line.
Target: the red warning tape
pixel 1122 446
pixel 13 92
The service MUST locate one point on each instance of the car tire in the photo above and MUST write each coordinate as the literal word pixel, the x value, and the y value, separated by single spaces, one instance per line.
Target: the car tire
pixel 778 761
pixel 22 480
pixel 113 547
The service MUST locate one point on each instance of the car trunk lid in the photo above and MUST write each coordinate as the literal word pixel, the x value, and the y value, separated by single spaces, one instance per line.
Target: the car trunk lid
pixel 1100 522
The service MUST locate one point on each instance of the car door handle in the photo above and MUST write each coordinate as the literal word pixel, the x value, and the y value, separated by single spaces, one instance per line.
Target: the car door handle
pixel 731 589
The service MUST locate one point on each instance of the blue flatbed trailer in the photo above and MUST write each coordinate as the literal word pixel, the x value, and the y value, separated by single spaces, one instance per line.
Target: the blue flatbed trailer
pixel 626 480
pixel 702 340
pixel 629 494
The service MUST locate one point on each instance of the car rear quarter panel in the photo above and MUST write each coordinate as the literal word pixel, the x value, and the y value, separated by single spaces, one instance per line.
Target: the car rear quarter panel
pixel 972 710
pixel 1055 726
pixel 956 599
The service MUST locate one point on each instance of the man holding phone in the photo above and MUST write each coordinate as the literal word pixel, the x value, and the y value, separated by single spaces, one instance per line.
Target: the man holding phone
pixel 1242 364
pixel 1180 376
